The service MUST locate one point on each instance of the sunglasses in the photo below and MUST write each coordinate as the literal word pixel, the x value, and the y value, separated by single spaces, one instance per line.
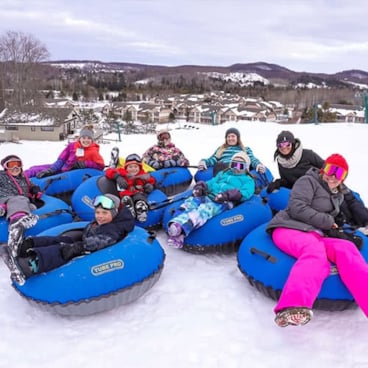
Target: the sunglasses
pixel 105 202
pixel 337 171
pixel 238 165
pixel 164 136
pixel 13 164
pixel 284 145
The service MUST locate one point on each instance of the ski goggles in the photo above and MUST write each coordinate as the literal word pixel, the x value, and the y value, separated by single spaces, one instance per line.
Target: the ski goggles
pixel 105 202
pixel 12 164
pixel 133 157
pixel 332 170
pixel 284 145
pixel 238 165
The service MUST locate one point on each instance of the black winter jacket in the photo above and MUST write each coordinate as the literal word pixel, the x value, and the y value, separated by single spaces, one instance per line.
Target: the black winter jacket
pixel 97 237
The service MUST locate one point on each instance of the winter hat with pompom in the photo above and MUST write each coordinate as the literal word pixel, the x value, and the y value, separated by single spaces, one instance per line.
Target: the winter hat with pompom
pixel 85 132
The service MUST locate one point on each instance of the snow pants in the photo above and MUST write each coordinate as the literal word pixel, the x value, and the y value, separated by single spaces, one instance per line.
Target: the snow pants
pixel 195 212
pixel 313 253
pixel 47 249
pixel 17 203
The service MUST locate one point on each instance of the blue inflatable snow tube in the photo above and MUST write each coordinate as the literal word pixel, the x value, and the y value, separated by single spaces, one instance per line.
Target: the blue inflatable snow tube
pixel 100 281
pixel 83 196
pixel 63 184
pixel 278 199
pixel 267 268
pixel 224 232
pixel 52 212
pixel 173 180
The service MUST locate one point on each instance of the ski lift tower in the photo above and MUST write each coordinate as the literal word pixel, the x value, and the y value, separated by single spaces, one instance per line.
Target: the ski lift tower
pixel 315 109
pixel 365 100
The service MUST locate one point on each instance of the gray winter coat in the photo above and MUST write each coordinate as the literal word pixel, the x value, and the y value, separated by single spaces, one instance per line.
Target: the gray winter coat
pixel 312 206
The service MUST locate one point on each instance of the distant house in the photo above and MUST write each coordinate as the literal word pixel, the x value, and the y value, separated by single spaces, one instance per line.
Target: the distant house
pixel 50 124
pixel 348 113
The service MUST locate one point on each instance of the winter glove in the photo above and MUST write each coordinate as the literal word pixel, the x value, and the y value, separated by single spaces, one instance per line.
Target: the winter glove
pixel 44 173
pixel 120 182
pixel 2 209
pixel 202 165
pixel 69 251
pixel 200 189
pixel 274 185
pixel 341 234
pixel 232 195
pixel 148 188
pixel 261 168
pixel 79 165
pixel 169 163
pixel 155 164
pixel 35 191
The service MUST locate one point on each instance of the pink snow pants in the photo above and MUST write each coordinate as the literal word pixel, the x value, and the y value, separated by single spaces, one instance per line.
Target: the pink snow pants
pixel 312 267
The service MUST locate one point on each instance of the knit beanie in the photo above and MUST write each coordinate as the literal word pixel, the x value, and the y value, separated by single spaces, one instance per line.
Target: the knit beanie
pixel 241 156
pixel 337 160
pixel 133 159
pixel 114 211
pixel 162 131
pixel 85 132
pixel 233 131
pixel 285 136
pixel 9 158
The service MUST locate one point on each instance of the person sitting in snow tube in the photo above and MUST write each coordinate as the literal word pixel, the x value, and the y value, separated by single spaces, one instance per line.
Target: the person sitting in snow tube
pixel 308 230
pixel 84 153
pixel 164 154
pixel 17 197
pixel 134 185
pixel 228 188
pixel 293 162
pixel 38 254
pixel 220 159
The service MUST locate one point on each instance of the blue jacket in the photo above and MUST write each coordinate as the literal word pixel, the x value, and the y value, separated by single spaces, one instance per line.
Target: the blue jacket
pixel 228 179
pixel 228 153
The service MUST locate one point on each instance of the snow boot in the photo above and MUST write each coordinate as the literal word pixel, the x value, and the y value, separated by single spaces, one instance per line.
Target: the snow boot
pixel 129 204
pixel 16 273
pixel 296 316
pixel 16 231
pixel 141 209
pixel 114 160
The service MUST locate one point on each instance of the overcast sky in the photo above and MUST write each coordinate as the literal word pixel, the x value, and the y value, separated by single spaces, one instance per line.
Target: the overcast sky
pixel 302 35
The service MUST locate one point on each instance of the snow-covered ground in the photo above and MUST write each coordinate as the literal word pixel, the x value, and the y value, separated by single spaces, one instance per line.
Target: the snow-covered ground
pixel 202 312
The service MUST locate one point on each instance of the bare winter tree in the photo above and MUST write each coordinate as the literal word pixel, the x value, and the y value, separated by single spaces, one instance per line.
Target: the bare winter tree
pixel 20 57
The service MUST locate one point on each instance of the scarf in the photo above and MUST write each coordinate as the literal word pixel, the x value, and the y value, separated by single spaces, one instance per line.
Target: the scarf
pixel 292 159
